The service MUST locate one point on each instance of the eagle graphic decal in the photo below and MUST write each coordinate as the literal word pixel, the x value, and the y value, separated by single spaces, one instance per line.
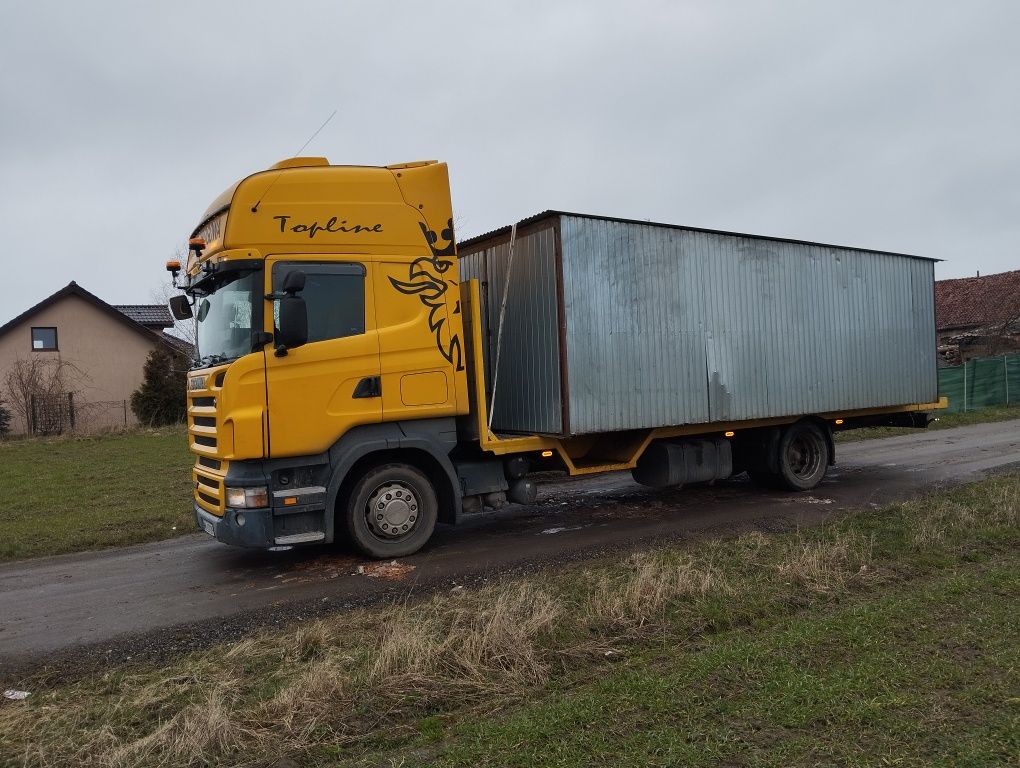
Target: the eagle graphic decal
pixel 425 280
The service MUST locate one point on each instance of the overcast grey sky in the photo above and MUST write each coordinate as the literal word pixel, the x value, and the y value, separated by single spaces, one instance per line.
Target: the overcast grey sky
pixel 882 124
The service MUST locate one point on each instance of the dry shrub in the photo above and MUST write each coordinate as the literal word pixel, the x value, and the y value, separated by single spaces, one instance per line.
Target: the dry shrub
pixel 649 587
pixel 826 567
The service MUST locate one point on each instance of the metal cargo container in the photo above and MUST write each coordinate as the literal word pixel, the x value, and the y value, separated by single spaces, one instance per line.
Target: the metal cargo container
pixel 613 324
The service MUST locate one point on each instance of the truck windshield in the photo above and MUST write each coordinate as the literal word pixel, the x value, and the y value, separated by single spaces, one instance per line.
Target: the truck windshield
pixel 226 318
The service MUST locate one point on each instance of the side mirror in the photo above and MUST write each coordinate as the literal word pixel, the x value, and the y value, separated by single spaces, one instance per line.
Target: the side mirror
pixel 293 331
pixel 180 307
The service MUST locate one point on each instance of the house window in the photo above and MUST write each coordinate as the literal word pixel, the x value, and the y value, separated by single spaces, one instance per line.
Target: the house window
pixel 44 339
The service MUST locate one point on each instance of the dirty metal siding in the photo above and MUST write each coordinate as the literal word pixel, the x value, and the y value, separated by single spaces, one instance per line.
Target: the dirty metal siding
pixel 670 326
pixel 527 397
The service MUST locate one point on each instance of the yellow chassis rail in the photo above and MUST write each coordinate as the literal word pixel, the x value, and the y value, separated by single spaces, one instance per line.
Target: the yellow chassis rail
pixel 590 454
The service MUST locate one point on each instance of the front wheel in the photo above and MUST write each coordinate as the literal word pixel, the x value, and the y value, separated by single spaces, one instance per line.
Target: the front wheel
pixel 391 511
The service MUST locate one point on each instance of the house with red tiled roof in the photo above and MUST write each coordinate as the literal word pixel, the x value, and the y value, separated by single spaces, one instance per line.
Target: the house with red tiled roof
pixel 73 360
pixel 977 316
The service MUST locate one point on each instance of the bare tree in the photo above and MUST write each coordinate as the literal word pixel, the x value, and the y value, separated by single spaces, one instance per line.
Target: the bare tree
pixel 41 379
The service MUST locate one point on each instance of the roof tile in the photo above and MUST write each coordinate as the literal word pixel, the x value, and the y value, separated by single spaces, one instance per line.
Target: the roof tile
pixel 147 314
pixel 970 302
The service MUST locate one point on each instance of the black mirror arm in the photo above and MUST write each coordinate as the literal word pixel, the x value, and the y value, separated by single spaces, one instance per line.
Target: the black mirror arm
pixel 260 340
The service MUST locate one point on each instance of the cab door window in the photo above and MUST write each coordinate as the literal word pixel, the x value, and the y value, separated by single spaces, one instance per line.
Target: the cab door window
pixel 334 296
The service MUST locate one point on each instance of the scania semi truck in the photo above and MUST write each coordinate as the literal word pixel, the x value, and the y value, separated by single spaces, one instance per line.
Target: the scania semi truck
pixel 360 375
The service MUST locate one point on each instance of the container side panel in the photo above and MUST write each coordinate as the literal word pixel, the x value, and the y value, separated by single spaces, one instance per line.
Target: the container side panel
pixel 636 353
pixel 666 326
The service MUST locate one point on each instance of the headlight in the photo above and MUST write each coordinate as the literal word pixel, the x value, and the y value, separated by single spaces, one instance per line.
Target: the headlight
pixel 248 497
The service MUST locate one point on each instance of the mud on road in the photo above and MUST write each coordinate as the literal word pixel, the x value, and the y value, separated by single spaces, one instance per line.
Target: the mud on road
pixel 67 614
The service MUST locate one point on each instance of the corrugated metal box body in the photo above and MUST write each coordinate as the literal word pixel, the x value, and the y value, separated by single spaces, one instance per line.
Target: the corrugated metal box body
pixel 614 325
pixel 528 382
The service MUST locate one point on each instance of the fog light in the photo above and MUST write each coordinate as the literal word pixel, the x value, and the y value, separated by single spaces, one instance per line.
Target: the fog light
pixel 248 497
pixel 239 519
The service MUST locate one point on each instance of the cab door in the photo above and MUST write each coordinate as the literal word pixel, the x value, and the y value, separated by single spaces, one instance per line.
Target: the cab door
pixel 319 391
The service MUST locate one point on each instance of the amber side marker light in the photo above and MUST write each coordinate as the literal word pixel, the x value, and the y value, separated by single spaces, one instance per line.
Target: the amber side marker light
pixel 290 501
pixel 546 454
pixel 729 434
pixel 839 421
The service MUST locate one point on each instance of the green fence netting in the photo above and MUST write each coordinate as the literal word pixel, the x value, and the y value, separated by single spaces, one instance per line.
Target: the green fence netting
pixel 981 382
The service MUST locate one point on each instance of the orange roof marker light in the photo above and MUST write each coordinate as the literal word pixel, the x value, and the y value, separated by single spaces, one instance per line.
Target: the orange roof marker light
pixel 196 244
pixel 173 266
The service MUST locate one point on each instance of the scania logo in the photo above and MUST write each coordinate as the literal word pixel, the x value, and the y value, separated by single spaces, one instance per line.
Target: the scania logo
pixel 196 382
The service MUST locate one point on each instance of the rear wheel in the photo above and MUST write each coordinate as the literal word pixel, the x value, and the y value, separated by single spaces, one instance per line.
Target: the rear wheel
pixel 803 457
pixel 391 511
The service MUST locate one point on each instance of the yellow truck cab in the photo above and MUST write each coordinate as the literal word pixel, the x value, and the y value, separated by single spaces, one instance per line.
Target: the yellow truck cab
pixel 329 330
pixel 341 389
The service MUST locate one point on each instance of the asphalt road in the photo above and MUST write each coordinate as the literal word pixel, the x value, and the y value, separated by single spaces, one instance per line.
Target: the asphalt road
pixel 155 600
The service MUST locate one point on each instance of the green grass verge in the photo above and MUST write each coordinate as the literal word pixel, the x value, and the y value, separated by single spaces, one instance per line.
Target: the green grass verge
pixel 71 494
pixel 920 676
pixel 885 638
pixel 945 421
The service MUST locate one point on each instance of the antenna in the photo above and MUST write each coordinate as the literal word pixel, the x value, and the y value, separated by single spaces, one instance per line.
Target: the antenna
pixel 255 208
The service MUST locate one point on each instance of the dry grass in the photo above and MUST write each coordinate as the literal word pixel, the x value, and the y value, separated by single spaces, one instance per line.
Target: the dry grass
pixel 947 519
pixel 826 566
pixel 343 680
pixel 202 729
pixel 650 584
pixel 459 644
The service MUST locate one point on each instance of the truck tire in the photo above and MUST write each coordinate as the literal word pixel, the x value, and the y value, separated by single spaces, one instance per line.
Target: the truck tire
pixel 391 511
pixel 803 457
